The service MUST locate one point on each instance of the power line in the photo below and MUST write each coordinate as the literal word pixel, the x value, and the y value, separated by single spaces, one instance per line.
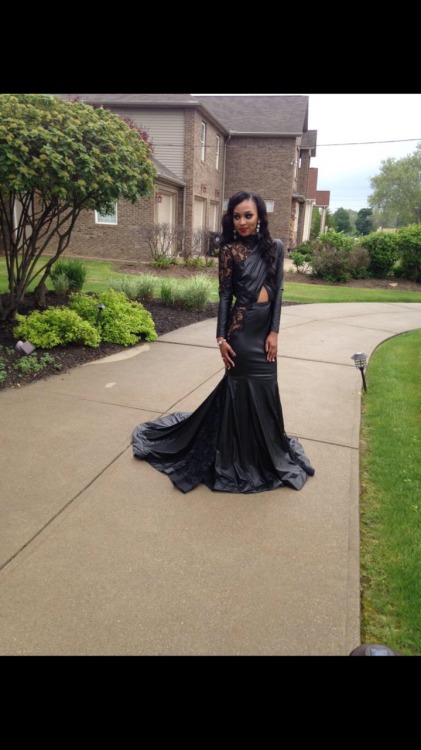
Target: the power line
pixel 367 143
pixel 318 145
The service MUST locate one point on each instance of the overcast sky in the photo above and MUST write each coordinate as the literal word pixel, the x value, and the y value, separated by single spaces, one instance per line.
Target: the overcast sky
pixel 363 120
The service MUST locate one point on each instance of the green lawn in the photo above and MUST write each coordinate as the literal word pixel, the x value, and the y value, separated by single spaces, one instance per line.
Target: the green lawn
pixel 390 500
pixel 296 292
pixel 99 272
pixel 96 279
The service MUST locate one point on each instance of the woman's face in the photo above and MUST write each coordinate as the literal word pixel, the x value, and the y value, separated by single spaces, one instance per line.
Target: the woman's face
pixel 245 218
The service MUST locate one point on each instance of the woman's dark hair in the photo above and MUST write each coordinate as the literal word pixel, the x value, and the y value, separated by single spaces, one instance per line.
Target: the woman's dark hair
pixel 266 243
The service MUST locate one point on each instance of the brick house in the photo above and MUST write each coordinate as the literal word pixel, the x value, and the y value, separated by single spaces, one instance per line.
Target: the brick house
pixel 205 149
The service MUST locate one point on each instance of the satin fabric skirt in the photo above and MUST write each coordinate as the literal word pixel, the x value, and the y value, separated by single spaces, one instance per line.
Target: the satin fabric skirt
pixel 235 440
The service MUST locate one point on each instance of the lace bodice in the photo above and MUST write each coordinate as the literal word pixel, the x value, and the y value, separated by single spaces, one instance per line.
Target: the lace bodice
pixel 242 273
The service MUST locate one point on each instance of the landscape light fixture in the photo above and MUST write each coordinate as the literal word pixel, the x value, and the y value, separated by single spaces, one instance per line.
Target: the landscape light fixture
pixel 360 361
pixel 100 309
pixel 24 347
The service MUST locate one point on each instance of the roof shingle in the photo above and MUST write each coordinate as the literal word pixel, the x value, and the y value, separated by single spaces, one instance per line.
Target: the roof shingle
pixel 278 114
pixel 274 114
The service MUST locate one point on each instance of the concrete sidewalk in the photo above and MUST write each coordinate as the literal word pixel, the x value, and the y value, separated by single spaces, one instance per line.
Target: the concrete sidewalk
pixel 101 555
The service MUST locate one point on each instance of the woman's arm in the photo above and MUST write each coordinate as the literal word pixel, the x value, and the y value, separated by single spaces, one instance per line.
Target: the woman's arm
pixel 225 290
pixel 278 288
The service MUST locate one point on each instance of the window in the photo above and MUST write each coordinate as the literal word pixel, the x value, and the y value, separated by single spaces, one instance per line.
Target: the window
pixel 110 218
pixel 203 141
pixel 217 143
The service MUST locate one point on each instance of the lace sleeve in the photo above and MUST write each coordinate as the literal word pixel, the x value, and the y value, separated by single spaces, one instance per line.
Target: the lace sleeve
pixel 225 290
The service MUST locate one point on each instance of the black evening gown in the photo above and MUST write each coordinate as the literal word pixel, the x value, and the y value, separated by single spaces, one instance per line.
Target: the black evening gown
pixel 235 440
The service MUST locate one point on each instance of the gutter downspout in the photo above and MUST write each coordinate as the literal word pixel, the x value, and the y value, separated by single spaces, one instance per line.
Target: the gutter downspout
pixel 184 218
pixel 223 177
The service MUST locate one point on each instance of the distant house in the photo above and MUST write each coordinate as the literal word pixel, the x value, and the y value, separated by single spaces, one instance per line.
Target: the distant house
pixel 323 202
pixel 205 148
pixel 318 199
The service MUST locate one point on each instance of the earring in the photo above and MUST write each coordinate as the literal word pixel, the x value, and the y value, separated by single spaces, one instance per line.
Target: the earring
pixel 258 227
pixel 235 234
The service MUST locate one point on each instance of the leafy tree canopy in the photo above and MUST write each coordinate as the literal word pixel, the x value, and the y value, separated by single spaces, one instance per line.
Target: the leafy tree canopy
pixel 329 220
pixel 71 152
pixel 397 190
pixel 316 220
pixel 342 220
pixel 56 159
pixel 364 221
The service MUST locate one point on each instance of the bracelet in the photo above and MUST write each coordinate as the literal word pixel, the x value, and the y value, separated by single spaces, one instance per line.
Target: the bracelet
pixel 221 341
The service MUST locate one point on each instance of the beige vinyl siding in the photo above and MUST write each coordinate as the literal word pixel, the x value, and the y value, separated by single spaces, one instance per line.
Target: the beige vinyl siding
pixel 166 131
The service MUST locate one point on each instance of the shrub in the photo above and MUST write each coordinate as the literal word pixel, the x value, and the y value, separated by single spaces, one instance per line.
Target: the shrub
pixel 383 253
pixel 168 291
pixel 338 257
pixel 197 292
pixel 359 262
pixel 194 293
pixel 331 263
pixel 164 240
pixel 408 244
pixel 56 326
pixel 74 270
pixel 300 260
pixel 141 288
pixel 61 283
pixel 339 240
pixel 305 249
pixel 197 261
pixel 123 321
pixel 200 244
pixel 164 261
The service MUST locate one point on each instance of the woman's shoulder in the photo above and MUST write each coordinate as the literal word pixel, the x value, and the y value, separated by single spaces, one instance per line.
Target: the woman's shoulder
pixel 279 246
pixel 227 247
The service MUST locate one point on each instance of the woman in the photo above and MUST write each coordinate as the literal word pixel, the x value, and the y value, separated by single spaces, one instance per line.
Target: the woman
pixel 235 440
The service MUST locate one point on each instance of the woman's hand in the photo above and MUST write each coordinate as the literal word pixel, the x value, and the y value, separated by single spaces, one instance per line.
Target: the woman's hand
pixel 271 346
pixel 227 354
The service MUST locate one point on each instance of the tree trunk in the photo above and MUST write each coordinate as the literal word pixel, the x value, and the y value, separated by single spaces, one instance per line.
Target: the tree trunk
pixel 40 293
pixel 9 308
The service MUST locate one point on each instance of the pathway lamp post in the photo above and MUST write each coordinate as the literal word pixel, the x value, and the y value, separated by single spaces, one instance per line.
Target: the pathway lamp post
pixel 360 361
pixel 98 317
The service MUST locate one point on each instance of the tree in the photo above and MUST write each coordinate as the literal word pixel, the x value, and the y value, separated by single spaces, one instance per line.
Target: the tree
pixel 342 221
pixel 316 220
pixel 376 219
pixel 352 219
pixel 58 158
pixel 397 190
pixel 364 222
pixel 329 220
